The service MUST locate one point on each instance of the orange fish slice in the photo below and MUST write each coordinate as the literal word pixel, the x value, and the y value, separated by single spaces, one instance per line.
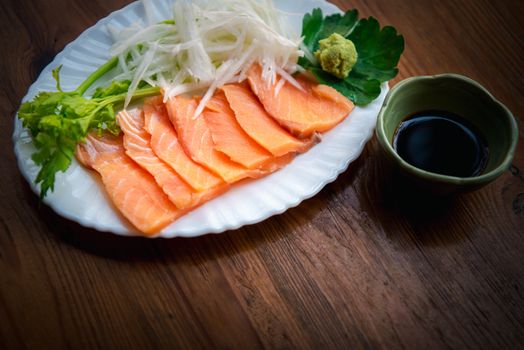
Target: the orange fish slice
pixel 165 144
pixel 228 136
pixel 138 147
pixel 258 124
pixel 198 143
pixel 317 108
pixel 133 190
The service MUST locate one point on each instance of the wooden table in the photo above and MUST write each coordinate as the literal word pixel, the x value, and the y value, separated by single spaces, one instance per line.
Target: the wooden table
pixel 361 265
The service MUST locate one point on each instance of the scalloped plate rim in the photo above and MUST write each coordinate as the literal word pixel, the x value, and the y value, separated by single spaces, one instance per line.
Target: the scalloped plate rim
pixel 333 174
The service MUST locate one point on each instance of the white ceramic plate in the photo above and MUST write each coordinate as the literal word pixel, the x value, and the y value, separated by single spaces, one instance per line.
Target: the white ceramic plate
pixel 79 196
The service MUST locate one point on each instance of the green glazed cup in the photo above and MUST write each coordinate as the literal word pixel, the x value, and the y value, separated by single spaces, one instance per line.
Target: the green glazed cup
pixel 464 97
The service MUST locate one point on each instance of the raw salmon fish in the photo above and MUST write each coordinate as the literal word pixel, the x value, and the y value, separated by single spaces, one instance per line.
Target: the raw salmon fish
pixel 137 143
pixel 229 138
pixel 259 125
pixel 317 108
pixel 165 144
pixel 196 138
pixel 133 190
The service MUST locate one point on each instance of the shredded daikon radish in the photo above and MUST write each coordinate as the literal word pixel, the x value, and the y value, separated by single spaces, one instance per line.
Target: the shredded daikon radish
pixel 225 74
pixel 209 44
pixel 279 86
pixel 308 54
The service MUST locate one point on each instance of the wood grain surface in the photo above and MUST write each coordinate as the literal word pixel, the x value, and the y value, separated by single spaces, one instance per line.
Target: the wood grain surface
pixel 364 264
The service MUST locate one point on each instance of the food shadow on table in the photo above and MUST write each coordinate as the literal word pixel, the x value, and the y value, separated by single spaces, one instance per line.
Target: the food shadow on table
pixel 408 213
pixel 183 250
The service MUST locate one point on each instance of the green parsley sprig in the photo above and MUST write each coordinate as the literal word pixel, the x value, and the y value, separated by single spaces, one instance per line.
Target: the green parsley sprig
pixel 59 120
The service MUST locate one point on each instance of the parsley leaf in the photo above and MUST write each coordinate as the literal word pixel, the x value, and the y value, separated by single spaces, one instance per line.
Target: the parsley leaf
pixel 116 87
pixel 58 121
pixel 378 52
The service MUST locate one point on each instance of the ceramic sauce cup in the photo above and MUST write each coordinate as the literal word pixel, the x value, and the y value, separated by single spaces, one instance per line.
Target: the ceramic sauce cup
pixel 455 95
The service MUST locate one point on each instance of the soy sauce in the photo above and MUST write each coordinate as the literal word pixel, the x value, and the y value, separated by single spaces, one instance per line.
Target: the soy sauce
pixel 441 142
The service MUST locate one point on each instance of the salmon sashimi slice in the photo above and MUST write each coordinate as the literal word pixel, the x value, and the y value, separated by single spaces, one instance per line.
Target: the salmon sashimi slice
pixel 165 144
pixel 196 138
pixel 137 143
pixel 229 138
pixel 133 190
pixel 316 108
pixel 259 125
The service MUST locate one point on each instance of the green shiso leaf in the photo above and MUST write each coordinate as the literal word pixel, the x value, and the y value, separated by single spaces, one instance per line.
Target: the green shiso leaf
pixel 378 49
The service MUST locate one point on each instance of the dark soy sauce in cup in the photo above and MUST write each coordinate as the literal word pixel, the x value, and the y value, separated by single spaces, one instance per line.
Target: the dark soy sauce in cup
pixel 441 142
